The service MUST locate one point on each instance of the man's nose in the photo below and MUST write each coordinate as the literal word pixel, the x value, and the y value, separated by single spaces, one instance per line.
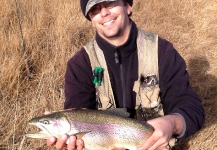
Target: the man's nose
pixel 104 11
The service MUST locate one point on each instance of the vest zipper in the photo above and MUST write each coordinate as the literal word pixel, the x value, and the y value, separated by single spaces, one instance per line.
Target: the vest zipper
pixel 123 85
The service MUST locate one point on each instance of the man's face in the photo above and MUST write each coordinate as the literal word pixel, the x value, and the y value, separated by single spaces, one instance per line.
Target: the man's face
pixel 111 20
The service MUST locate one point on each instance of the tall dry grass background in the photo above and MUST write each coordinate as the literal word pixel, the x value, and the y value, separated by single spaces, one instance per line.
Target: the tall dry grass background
pixel 32 74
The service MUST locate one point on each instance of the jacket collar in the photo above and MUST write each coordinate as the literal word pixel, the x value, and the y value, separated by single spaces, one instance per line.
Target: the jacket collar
pixel 125 50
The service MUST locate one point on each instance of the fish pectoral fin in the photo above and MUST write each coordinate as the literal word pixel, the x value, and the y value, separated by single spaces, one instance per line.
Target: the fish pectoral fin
pixel 80 134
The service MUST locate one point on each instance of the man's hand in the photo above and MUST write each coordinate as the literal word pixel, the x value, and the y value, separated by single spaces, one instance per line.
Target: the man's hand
pixel 165 127
pixel 61 142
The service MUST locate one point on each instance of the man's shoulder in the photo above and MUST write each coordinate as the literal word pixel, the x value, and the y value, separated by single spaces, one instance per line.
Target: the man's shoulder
pixel 79 56
pixel 147 33
pixel 161 41
pixel 165 46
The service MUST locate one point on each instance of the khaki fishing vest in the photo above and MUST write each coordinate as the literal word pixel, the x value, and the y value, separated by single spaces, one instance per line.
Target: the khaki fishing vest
pixel 147 93
pixel 147 96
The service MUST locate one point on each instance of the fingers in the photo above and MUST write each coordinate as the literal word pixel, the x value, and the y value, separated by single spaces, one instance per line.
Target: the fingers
pixel 72 143
pixel 159 145
pixel 155 142
pixel 80 144
pixel 51 141
pixel 75 144
pixel 148 144
pixel 61 142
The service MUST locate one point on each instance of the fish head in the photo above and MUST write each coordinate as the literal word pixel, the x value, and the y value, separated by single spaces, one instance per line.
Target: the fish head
pixel 54 124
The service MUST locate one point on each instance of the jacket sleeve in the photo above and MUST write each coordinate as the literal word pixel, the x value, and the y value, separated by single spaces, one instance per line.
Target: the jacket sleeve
pixel 79 89
pixel 175 90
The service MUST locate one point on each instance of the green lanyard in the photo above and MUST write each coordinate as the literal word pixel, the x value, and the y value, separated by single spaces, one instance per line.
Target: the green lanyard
pixel 97 80
pixel 97 76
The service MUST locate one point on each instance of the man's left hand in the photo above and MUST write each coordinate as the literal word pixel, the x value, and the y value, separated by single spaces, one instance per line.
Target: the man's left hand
pixel 165 127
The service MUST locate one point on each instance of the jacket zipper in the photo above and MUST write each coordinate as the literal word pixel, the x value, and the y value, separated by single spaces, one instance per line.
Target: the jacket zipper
pixel 118 60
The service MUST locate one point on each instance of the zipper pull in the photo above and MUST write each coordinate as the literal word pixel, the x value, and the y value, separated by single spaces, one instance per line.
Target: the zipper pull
pixel 116 56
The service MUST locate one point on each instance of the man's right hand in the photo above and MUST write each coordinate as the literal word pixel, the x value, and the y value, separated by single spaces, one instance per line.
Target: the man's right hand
pixel 61 142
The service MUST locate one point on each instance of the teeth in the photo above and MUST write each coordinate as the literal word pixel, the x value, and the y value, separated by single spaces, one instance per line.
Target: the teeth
pixel 108 23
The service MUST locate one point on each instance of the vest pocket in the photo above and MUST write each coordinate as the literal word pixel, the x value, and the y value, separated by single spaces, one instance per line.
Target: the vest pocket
pixel 150 96
pixel 150 106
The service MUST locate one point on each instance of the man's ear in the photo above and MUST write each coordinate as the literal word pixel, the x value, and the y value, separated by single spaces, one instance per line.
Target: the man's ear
pixel 92 23
pixel 129 8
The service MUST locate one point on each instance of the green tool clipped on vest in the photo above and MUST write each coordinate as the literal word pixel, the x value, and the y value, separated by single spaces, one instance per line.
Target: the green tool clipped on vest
pixel 97 76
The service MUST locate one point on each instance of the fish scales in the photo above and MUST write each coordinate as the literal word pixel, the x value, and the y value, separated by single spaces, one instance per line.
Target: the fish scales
pixel 102 117
pixel 98 129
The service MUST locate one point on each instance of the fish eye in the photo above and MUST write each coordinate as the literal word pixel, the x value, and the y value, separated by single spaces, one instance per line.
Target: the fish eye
pixel 45 122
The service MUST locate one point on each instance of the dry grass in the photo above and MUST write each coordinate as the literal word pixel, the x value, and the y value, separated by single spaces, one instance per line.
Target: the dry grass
pixel 32 81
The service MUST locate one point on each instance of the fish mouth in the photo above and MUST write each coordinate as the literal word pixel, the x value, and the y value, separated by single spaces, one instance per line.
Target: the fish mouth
pixel 38 135
pixel 42 134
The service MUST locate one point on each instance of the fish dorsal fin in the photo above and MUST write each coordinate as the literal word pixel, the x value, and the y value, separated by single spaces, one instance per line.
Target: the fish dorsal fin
pixel 122 112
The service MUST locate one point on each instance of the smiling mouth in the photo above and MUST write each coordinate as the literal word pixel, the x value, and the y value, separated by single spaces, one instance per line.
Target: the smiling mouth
pixel 108 23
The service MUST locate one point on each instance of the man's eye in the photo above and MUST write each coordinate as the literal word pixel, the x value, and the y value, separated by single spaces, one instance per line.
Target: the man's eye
pixel 95 9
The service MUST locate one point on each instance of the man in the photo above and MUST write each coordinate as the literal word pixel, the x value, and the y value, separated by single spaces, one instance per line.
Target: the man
pixel 118 49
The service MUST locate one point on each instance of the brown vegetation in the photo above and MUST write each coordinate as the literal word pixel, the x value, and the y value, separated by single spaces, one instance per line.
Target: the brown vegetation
pixel 32 74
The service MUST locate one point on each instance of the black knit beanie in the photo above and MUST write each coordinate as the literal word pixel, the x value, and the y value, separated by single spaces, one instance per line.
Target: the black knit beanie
pixel 83 4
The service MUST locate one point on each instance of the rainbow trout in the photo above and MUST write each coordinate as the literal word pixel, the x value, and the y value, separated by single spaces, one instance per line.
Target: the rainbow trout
pixel 99 129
